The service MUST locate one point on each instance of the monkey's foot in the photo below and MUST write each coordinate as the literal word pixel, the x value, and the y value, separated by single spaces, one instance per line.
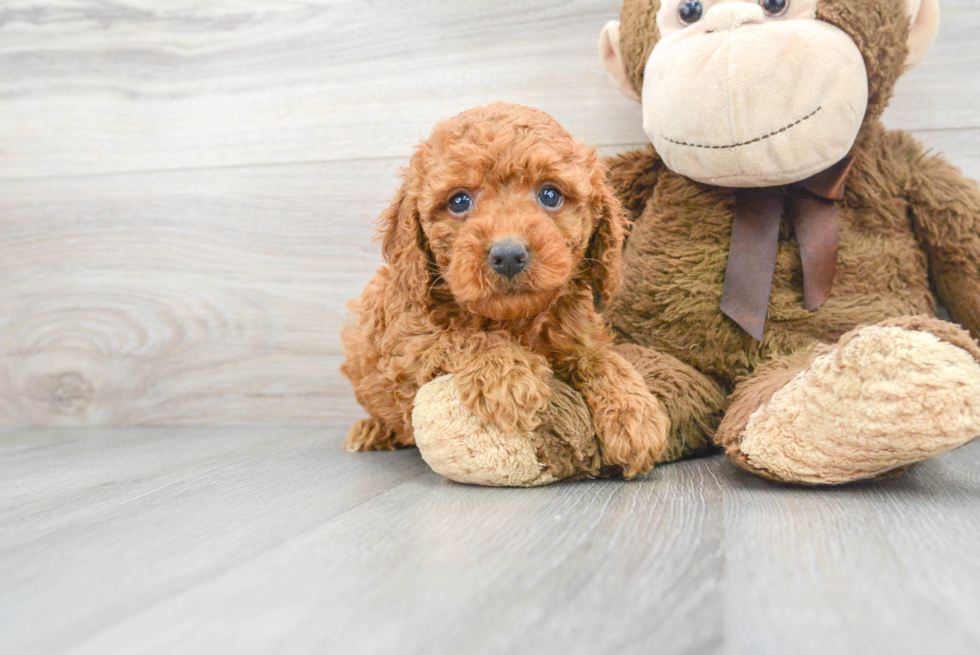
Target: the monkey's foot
pixel 885 397
pixel 459 446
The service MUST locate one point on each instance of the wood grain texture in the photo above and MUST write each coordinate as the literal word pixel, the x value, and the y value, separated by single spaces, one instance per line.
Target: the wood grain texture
pixel 183 298
pixel 201 540
pixel 93 87
pixel 182 84
pixel 881 568
pixel 188 188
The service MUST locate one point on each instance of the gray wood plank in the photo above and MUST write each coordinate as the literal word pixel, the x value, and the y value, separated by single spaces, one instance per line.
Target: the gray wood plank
pixel 124 520
pixel 481 571
pixel 184 298
pixel 884 567
pixel 257 540
pixel 108 87
pixel 95 87
pixel 280 542
pixel 943 91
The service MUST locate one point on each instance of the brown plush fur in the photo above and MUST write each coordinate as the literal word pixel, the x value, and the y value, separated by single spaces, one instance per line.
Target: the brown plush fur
pixel 438 307
pixel 565 442
pixel 694 403
pixel 910 235
pixel 759 390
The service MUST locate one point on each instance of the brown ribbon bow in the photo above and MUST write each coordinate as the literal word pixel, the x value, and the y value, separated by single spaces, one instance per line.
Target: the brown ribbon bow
pixel 755 242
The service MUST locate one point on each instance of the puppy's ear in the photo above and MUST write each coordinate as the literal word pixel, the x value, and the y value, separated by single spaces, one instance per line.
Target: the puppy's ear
pixel 403 243
pixel 604 256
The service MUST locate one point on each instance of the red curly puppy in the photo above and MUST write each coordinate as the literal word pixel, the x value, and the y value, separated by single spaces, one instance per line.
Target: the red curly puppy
pixel 501 233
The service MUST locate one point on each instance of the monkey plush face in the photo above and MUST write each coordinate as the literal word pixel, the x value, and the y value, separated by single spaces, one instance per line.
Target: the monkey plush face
pixel 756 93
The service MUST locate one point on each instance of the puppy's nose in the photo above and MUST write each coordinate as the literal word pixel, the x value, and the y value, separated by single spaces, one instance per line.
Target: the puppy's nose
pixel 508 257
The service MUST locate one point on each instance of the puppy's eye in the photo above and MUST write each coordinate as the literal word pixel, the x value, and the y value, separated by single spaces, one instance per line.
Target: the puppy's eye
pixel 460 203
pixel 550 197
pixel 690 12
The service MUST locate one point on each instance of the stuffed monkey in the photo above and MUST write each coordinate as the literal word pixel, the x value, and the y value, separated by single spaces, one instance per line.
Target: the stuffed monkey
pixel 788 252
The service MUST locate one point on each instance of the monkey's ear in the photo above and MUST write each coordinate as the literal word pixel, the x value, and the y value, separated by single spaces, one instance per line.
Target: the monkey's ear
pixel 404 248
pixel 612 59
pixel 925 27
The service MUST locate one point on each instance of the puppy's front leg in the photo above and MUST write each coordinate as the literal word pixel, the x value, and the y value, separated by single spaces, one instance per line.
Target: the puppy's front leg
pixel 630 422
pixel 502 383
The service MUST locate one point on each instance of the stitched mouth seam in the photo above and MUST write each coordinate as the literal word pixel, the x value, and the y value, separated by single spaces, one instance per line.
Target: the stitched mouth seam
pixel 744 143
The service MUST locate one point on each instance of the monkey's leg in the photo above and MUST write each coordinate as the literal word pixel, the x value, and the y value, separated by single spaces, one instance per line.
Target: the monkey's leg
pixel 883 398
pixel 461 447
pixel 694 402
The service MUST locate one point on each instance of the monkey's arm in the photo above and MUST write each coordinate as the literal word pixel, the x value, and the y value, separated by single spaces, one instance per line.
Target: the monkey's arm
pixel 946 212
pixel 634 175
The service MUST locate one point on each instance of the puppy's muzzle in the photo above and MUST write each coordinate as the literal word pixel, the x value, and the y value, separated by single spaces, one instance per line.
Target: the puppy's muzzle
pixel 508 257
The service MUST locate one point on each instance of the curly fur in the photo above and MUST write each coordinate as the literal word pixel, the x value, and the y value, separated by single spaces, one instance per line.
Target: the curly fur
pixel 437 307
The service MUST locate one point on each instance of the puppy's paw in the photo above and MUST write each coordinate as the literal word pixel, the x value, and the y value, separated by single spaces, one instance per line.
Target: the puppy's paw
pixel 512 399
pixel 369 434
pixel 632 427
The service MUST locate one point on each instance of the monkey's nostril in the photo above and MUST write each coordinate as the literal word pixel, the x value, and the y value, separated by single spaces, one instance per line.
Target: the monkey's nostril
pixel 508 257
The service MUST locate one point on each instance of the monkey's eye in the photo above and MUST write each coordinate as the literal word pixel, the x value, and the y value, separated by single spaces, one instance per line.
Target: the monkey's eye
pixel 690 12
pixel 775 7
pixel 460 203
pixel 550 197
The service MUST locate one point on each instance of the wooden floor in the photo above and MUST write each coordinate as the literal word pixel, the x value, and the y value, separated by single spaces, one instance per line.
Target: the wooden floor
pixel 187 190
pixel 232 540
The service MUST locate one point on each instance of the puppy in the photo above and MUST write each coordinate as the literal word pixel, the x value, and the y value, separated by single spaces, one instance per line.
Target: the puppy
pixel 496 245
